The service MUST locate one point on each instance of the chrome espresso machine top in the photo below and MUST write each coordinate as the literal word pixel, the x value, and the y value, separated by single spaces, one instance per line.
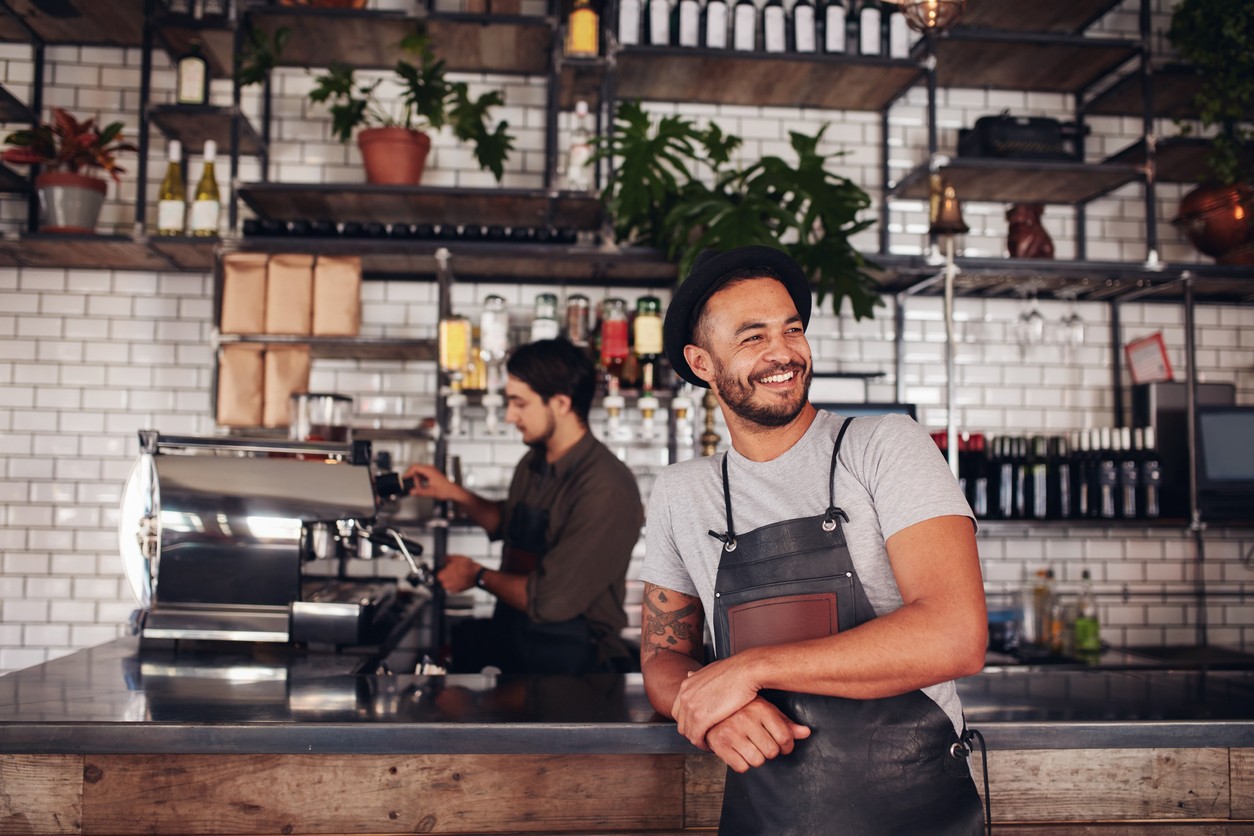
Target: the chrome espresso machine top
pixel 218 535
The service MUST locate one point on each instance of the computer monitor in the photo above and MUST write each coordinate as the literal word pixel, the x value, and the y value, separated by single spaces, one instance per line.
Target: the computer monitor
pixel 1225 473
pixel 858 410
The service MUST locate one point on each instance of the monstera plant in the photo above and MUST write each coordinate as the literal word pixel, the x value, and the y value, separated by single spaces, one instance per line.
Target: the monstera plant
pixel 672 187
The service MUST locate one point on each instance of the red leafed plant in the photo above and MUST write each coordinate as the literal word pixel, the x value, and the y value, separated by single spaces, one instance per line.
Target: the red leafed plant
pixel 69 145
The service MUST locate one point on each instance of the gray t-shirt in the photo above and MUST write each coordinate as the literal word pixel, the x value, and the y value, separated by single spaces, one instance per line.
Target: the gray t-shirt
pixel 891 476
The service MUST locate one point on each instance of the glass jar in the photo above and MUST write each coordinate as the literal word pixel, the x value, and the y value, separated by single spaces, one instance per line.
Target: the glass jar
pixel 614 348
pixel 577 310
pixel 544 326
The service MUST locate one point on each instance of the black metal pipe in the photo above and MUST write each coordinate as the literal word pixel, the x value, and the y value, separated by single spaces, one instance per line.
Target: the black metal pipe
pixel 1116 365
pixel 1147 130
pixel 145 94
pixel 1195 517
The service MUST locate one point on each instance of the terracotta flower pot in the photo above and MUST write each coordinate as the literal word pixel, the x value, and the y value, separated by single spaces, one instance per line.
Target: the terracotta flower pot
pixel 393 156
pixel 69 202
pixel 1216 219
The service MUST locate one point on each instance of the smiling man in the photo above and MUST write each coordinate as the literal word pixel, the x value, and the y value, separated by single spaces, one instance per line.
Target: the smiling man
pixel 835 564
pixel 569 524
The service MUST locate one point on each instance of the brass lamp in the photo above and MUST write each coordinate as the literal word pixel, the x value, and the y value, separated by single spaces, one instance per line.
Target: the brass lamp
pixel 931 15
pixel 944 209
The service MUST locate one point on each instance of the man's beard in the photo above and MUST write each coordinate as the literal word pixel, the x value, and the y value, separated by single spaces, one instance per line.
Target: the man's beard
pixel 541 441
pixel 739 396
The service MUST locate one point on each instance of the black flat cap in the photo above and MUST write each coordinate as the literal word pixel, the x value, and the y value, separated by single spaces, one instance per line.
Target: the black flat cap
pixel 709 273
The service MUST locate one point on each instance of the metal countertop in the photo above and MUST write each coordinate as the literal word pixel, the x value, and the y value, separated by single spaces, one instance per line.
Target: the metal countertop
pixel 115 699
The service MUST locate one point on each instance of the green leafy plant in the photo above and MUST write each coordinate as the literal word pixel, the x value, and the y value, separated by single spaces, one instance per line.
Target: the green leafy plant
pixel 1217 37
pixel 259 55
pixel 428 100
pixel 658 197
pixel 69 145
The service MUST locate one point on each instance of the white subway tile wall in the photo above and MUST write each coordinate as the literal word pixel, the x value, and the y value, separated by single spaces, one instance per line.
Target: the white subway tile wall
pixel 88 357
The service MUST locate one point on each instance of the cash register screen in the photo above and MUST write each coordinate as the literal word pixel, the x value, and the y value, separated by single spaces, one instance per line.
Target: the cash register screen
pixel 1225 476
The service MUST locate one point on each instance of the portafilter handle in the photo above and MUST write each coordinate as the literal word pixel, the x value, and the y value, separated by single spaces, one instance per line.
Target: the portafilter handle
pixel 393 539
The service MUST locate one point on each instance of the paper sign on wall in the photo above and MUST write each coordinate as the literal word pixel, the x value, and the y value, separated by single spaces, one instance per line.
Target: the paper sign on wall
pixel 1147 359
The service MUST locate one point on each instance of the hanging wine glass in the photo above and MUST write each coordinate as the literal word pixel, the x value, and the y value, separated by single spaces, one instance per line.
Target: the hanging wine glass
pixel 1030 327
pixel 1072 326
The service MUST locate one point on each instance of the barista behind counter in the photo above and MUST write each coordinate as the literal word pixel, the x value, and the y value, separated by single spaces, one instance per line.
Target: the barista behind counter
pixel 569 524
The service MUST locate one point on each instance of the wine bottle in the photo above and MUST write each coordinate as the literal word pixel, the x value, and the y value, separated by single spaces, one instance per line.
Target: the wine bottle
pixel 1005 469
pixel 1129 476
pixel 1037 488
pixel 744 26
pixel 1060 505
pixel 1086 631
pixel 192 73
pixel 647 339
pixel 977 479
pixel 206 204
pixel 578 172
pixel 1107 477
pixel 629 22
pixel 657 23
pixel 897 32
pixel 835 31
pixel 686 23
pixel 774 27
pixel 714 24
pixel 804 27
pixel 1020 468
pixel 870 19
pixel 583 31
pixel 172 197
pixel 1150 480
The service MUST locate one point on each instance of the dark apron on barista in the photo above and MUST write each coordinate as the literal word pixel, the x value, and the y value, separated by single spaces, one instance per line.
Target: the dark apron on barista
pixel 520 645
pixel 869 766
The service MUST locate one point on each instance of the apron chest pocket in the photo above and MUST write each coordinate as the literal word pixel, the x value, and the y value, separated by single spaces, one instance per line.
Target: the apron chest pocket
pixel 785 612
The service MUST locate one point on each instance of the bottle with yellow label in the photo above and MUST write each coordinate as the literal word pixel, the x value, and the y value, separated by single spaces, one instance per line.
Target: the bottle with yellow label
pixel 583 31
pixel 206 202
pixel 647 339
pixel 172 196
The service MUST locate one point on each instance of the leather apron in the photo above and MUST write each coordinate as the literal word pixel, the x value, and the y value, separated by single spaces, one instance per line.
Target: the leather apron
pixel 879 766
pixel 525 646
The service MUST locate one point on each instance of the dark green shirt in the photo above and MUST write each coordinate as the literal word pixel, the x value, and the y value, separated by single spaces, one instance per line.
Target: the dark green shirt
pixel 595 514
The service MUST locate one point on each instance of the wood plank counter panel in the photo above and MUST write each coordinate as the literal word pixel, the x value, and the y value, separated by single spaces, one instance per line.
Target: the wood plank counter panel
pixel 41 794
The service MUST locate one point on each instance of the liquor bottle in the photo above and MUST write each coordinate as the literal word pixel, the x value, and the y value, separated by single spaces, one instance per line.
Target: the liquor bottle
pixel 1042 606
pixel 647 339
pixel 629 22
pixel 1086 479
pixel 544 325
pixel 686 23
pixel 896 33
pixel 578 171
pixel 614 334
pixel 1107 477
pixel 583 31
pixel 206 204
pixel 977 478
pixel 744 26
pixel 1058 496
pixel 714 24
pixel 494 339
pixel 172 197
pixel 870 21
pixel 1001 474
pixel 577 328
pixel 1020 468
pixel 657 23
pixel 774 27
pixel 1129 476
pixel 835 32
pixel 1037 481
pixel 1086 632
pixel 192 73
pixel 804 27
pixel 1150 480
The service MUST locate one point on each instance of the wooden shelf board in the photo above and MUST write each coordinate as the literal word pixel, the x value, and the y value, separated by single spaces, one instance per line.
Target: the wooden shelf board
pixel 371 40
pixel 92 22
pixel 185 252
pixel 969 59
pixel 13 110
pixel 193 124
pixel 418 204
pixel 1020 181
pixel 86 252
pixel 178 33
pixel 823 81
pixel 1173 92
pixel 580 79
pixel 1177 159
pixel 1053 16
pixel 347 348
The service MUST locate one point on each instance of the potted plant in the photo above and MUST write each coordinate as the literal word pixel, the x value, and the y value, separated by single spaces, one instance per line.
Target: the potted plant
pixel 658 197
pixel 69 199
pixel 394 147
pixel 1217 38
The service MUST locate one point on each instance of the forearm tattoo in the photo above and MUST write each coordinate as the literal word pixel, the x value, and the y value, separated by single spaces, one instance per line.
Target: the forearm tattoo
pixel 671 622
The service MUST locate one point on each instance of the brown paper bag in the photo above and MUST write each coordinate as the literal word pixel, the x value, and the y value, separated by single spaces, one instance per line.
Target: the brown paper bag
pixel 240 376
pixel 289 294
pixel 287 371
pixel 243 293
pixel 337 296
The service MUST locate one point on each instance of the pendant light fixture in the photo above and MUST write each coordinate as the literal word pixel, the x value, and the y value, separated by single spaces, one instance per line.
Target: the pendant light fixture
pixel 931 15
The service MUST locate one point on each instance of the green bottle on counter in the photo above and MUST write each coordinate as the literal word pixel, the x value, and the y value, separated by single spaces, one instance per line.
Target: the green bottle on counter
pixel 1086 632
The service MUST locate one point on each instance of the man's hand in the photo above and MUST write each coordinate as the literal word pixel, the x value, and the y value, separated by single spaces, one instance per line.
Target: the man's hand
pixel 458 573
pixel 750 737
pixel 430 482
pixel 712 694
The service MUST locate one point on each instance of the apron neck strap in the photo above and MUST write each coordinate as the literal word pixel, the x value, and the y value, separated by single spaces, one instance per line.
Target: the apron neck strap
pixel 829 519
pixel 729 537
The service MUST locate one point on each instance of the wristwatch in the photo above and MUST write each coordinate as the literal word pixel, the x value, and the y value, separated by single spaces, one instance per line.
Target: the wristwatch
pixel 479 578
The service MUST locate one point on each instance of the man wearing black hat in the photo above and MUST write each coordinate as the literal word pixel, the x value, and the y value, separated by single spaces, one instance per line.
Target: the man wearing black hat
pixel 835 562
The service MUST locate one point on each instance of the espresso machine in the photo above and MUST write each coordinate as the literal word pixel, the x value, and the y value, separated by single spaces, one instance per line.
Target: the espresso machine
pixel 261 540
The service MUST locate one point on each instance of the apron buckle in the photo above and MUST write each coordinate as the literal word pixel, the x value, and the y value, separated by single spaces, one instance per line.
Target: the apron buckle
pixel 728 541
pixel 829 521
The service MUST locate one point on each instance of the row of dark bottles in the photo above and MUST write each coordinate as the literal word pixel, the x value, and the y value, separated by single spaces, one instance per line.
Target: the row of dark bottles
pixel 1106 473
pixel 403 231
pixel 832 26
